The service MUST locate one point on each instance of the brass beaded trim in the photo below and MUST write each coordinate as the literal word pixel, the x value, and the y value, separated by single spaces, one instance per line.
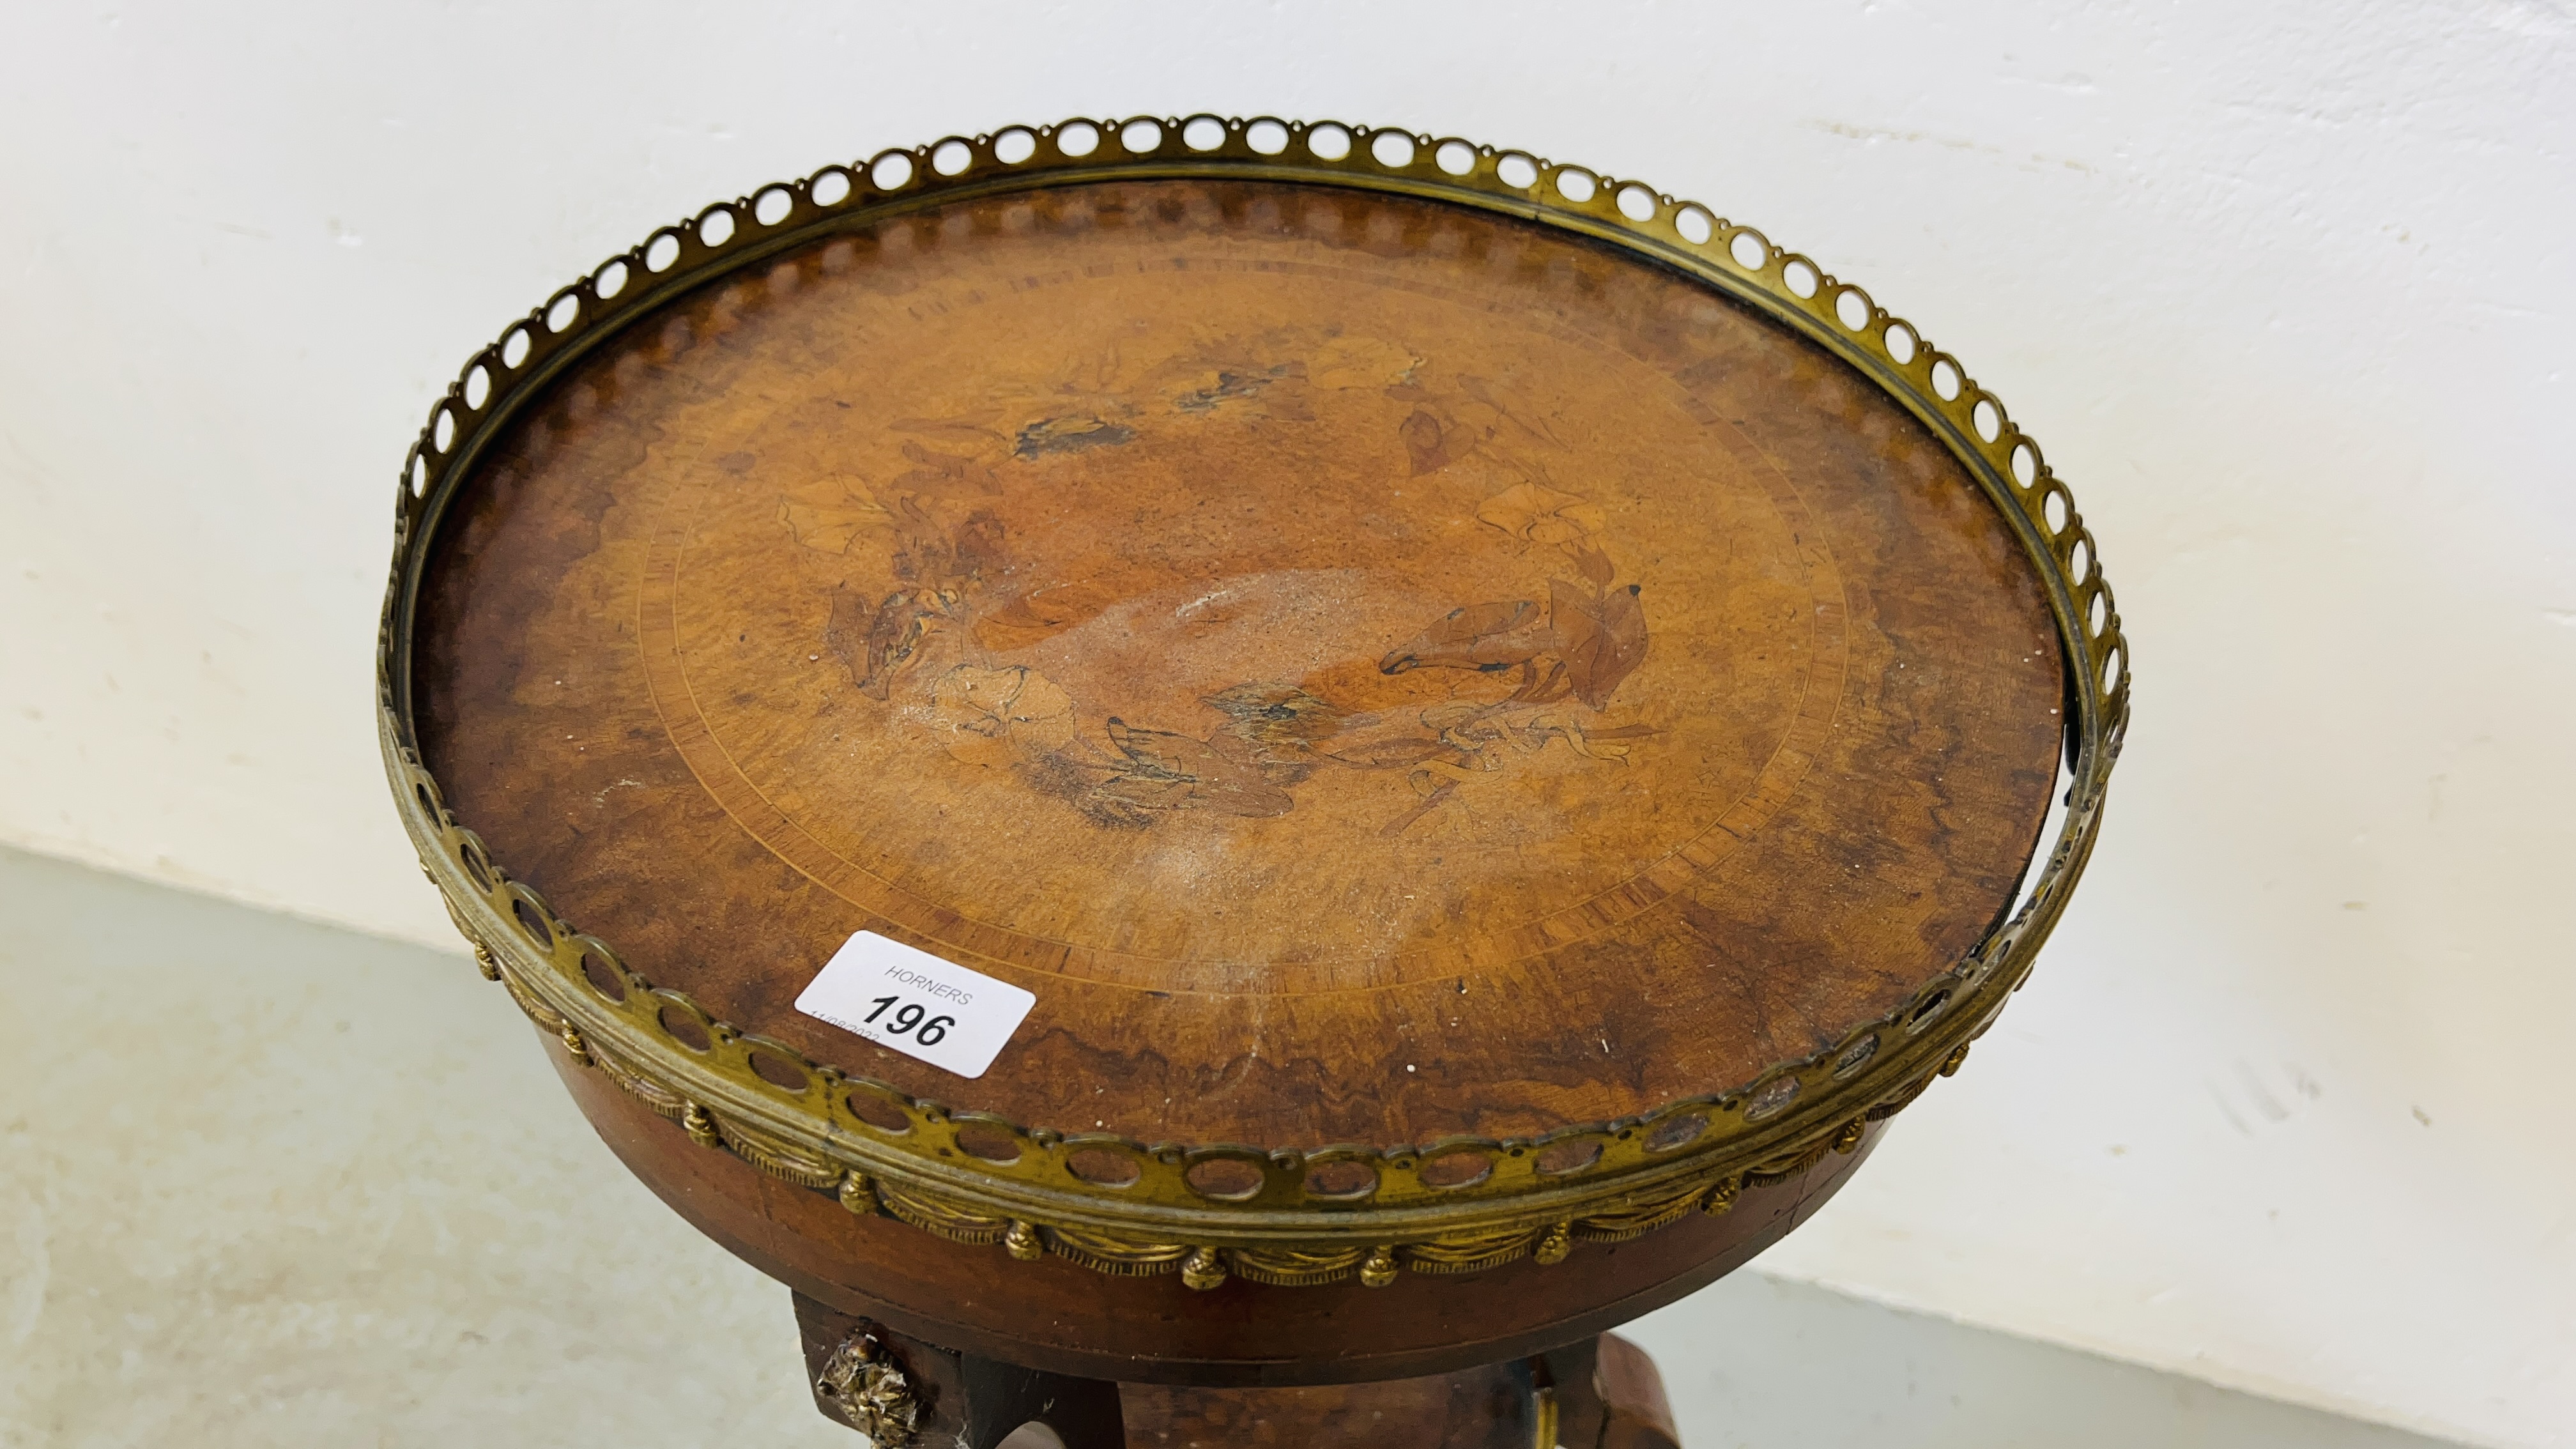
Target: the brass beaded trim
pixel 882 1150
pixel 1202 1265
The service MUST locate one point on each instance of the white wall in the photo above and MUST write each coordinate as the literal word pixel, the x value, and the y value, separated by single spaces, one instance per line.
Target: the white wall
pixel 2285 290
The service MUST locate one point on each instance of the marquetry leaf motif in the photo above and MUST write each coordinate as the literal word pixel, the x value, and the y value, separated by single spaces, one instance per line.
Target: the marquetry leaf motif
pixel 1167 771
pixel 1536 513
pixel 935 467
pixel 831 512
pixel 1393 748
pixel 1484 637
pixel 977 433
pixel 1280 724
pixel 1042 613
pixel 1073 433
pixel 875 641
pixel 1594 564
pixel 1427 451
pixel 1509 407
pixel 993 716
pixel 1602 638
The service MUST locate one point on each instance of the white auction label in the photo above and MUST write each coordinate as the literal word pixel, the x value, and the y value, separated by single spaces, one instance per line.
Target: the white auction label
pixel 895 996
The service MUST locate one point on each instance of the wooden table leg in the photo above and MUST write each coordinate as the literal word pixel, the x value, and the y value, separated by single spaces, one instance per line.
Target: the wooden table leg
pixel 1614 1394
pixel 902 1392
pixel 1602 1393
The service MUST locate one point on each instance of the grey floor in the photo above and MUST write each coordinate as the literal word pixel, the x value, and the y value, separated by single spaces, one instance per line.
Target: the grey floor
pixel 268 1184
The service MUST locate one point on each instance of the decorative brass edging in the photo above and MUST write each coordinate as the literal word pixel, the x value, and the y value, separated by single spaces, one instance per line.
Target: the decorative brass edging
pixel 881 1150
pixel 1201 1265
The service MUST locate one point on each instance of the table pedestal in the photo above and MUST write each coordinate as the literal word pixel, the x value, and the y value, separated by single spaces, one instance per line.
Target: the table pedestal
pixel 1601 1393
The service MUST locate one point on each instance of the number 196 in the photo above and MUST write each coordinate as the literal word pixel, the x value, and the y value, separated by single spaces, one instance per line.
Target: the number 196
pixel 930 1032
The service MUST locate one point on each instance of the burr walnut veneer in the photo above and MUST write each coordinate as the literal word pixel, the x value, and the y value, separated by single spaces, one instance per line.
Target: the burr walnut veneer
pixel 1504 735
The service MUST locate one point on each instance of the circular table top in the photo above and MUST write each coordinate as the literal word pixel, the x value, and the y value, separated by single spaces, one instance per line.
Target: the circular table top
pixel 1374 670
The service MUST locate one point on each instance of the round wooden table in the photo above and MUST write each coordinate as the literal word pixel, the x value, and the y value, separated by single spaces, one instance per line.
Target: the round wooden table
pixel 1287 766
